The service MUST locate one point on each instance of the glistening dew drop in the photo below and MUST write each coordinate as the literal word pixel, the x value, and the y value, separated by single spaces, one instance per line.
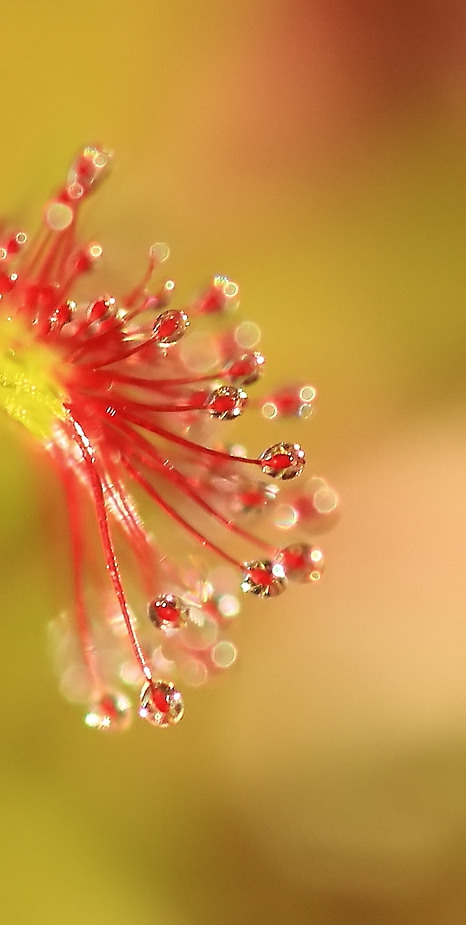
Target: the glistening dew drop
pixel 125 392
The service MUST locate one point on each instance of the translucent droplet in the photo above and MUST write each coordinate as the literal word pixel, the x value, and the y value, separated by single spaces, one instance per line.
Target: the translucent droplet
pixel 325 500
pixel 213 300
pixel 247 335
pixel 269 410
pixel 253 497
pixel 13 245
pixel 111 711
pixel 59 216
pixel 288 401
pixel 75 191
pixel 101 309
pixel 89 167
pixel 307 393
pixel 161 703
pixel 224 654
pixel 159 252
pixel 305 412
pixel 246 369
pixel 283 460
pixel 301 562
pixel 263 578
pixel 227 402
pixel 168 612
pixel 230 288
pixel 170 326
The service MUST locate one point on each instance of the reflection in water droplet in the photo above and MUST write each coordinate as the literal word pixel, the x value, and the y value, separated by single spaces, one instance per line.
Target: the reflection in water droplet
pixel 246 369
pixel 111 711
pixel 170 326
pixel 301 562
pixel 167 612
pixel 283 460
pixel 263 578
pixel 227 403
pixel 161 703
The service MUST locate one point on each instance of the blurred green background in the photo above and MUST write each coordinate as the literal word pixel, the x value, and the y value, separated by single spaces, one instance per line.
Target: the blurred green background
pixel 315 152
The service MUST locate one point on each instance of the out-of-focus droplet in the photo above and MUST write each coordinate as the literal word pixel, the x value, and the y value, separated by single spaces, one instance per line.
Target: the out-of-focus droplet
pixel 263 578
pixel 247 335
pixel 59 216
pixel 325 500
pixel 63 314
pixel 168 612
pixel 111 711
pixel 89 167
pixel 288 401
pixel 283 460
pixel 246 369
pixel 159 252
pixel 227 403
pixel 224 654
pixel 253 497
pixel 286 516
pixel 230 288
pixel 14 243
pixel 101 309
pixel 301 562
pixel 213 300
pixel 161 703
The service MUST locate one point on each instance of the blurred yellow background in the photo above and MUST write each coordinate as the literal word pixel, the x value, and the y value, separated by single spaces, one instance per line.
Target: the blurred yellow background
pixel 315 152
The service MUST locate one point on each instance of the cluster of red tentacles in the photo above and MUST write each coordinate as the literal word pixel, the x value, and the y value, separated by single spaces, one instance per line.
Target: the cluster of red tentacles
pixel 139 391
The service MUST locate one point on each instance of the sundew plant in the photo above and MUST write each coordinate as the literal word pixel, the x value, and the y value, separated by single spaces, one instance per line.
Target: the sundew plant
pixel 127 395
